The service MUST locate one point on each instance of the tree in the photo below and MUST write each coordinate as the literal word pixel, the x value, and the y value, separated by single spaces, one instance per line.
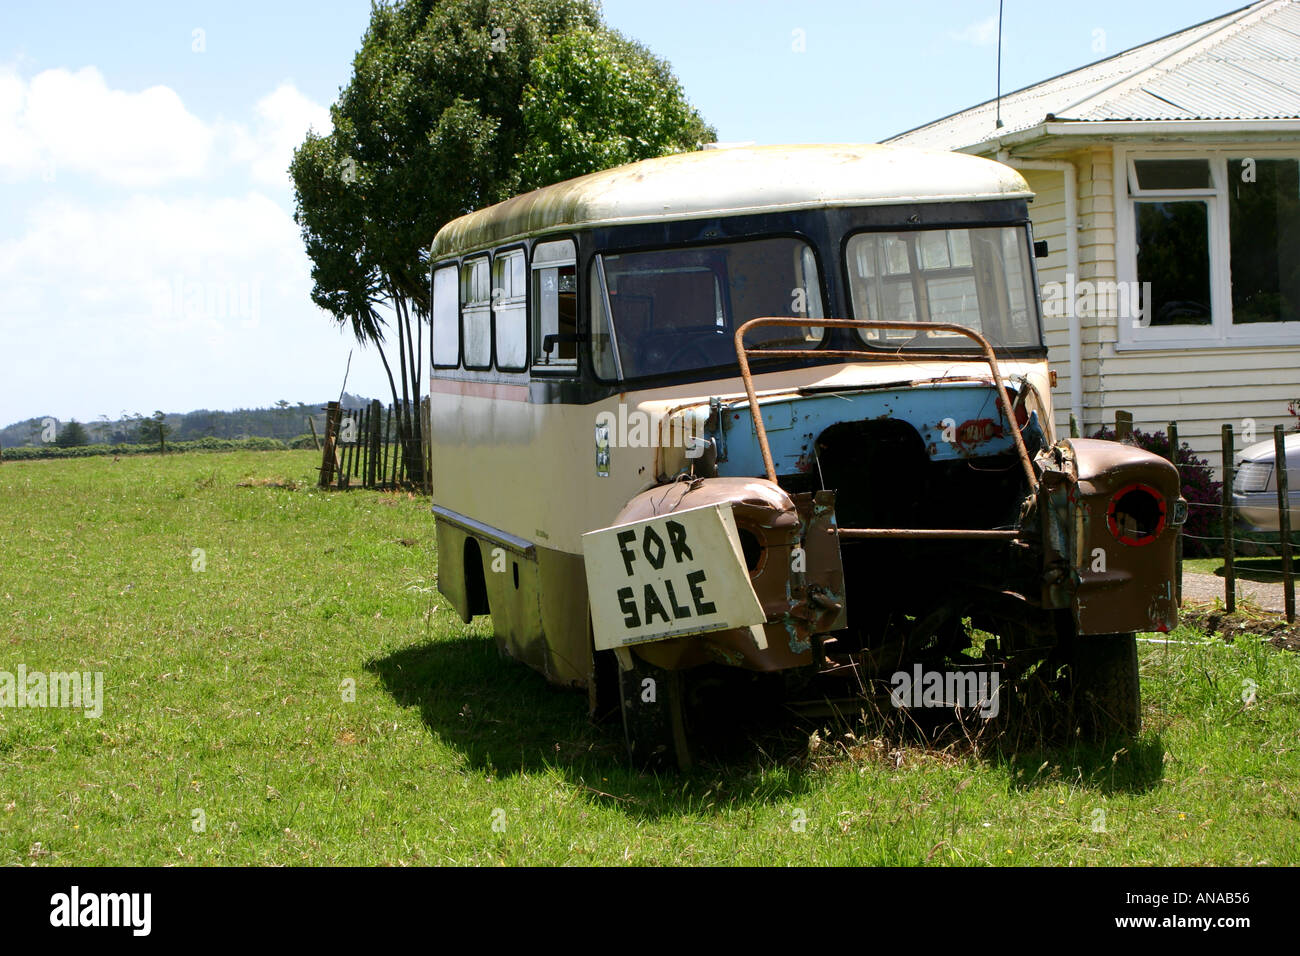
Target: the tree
pixel 154 429
pixel 131 428
pixel 432 125
pixel 71 434
pixel 597 99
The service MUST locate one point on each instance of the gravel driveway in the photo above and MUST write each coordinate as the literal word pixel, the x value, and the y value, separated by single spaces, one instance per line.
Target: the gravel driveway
pixel 1204 588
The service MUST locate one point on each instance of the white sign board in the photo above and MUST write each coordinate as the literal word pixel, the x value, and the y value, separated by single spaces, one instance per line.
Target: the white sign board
pixel 676 574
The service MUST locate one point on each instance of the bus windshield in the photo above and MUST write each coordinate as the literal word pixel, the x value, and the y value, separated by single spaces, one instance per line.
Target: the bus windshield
pixel 977 277
pixel 675 310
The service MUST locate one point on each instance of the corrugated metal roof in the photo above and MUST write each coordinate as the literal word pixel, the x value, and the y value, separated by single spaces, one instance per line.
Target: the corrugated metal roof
pixel 1242 66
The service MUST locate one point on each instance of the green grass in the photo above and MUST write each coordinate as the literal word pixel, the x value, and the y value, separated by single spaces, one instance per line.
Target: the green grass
pixel 223 695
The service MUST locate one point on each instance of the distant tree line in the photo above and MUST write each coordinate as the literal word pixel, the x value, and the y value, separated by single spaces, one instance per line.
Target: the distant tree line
pixel 282 421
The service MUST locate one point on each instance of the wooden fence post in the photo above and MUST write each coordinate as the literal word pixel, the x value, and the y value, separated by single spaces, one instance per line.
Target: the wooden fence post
pixel 395 418
pixel 349 449
pixel 1123 426
pixel 363 444
pixel 1229 576
pixel 1178 542
pixel 372 442
pixel 384 422
pixel 1284 518
pixel 328 460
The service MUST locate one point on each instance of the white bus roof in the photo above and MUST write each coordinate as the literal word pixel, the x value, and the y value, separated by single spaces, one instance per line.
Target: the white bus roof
pixel 733 182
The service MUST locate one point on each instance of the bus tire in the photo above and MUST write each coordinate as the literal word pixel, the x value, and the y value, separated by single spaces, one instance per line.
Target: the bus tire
pixel 652 700
pixel 1106 690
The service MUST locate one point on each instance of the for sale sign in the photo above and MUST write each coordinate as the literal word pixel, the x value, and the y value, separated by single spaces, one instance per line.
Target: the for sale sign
pixel 676 574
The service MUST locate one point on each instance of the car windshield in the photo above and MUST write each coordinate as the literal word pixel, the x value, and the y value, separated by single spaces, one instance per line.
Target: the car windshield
pixel 976 277
pixel 676 310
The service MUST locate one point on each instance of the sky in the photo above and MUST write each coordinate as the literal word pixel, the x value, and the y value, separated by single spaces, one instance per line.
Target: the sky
pixel 148 254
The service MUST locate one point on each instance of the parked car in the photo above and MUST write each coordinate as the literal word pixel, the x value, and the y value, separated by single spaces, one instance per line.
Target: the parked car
pixel 1254 489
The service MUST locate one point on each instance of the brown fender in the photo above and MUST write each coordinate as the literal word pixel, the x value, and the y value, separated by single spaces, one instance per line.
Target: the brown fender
pixel 1127 514
pixel 802 593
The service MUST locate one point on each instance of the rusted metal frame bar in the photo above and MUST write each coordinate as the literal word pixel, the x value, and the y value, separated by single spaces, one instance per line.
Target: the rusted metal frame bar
pixel 857 353
pixel 742 355
pixel 941 533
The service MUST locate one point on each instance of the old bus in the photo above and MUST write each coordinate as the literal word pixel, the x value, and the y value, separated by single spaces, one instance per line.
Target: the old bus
pixel 780 410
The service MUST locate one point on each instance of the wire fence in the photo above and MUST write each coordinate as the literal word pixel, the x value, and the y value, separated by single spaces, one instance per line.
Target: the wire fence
pixel 1232 541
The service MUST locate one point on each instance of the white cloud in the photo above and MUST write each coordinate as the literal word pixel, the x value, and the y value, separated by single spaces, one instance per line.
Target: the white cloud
pixel 283 118
pixel 980 33
pixel 138 294
pixel 155 269
pixel 64 121
pixel 147 303
pixel 123 240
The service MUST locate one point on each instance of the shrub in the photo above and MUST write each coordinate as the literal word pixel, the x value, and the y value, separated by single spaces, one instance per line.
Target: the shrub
pixel 1203 526
pixel 28 453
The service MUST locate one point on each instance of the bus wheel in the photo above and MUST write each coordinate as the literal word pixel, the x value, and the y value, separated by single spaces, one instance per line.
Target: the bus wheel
pixel 654 719
pixel 1104 679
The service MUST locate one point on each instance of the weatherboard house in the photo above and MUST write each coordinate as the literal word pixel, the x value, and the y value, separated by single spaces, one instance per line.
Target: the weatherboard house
pixel 1167 183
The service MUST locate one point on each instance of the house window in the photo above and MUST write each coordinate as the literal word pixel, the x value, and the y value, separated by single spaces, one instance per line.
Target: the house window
pixel 1213 240
pixel 1153 175
pixel 1264 218
pixel 1173 254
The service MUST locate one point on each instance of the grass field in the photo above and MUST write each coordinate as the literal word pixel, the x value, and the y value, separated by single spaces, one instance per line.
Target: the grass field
pixel 228 603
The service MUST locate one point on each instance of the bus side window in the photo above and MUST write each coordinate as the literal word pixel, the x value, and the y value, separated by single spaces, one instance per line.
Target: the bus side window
pixel 476 312
pixel 509 298
pixel 555 304
pixel 445 340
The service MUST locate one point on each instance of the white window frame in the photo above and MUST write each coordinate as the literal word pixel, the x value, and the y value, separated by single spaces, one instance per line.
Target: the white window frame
pixel 476 309
pixel 1221 332
pixel 550 253
pixel 442 322
pixel 501 302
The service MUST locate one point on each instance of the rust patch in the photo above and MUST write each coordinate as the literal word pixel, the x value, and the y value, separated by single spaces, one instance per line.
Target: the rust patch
pixel 977 431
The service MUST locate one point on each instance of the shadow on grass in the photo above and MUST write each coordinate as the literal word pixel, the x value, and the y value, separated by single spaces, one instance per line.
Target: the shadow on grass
pixel 506 719
pixel 1033 750
pixel 1121 766
pixel 1261 570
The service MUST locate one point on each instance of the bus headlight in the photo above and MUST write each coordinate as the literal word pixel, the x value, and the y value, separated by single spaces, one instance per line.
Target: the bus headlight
pixel 1136 515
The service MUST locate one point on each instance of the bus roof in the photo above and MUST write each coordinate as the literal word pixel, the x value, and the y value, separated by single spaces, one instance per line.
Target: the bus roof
pixel 732 182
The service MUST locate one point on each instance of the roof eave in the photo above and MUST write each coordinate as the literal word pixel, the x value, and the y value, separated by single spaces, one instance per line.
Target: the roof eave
pixel 1111 128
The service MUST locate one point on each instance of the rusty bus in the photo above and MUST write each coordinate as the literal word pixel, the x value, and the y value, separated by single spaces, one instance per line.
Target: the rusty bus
pixel 783 411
